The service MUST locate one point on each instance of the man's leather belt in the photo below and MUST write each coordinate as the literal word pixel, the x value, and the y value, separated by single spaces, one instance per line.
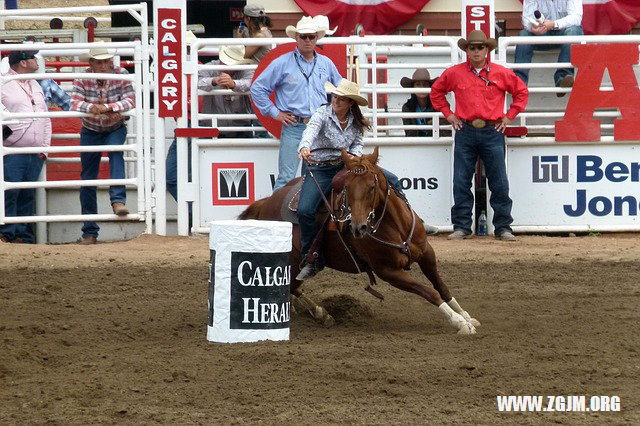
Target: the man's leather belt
pixel 304 120
pixel 328 162
pixel 479 123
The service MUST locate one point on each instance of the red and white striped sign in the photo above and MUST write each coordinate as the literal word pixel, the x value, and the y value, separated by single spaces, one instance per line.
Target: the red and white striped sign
pixel 377 16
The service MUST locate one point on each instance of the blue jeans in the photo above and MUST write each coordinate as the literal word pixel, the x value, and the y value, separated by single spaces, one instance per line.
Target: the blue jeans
pixel 524 53
pixel 172 173
pixel 20 202
pixel 288 156
pixel 488 143
pixel 90 167
pixel 310 197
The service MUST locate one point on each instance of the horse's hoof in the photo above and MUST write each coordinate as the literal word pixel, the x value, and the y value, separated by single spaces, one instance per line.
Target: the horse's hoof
pixel 328 321
pixel 467 329
pixel 474 322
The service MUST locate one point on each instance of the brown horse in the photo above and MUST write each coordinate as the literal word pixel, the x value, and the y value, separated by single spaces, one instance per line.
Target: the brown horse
pixel 386 236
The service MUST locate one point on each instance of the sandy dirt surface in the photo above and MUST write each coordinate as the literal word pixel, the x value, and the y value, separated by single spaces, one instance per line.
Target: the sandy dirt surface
pixel 116 332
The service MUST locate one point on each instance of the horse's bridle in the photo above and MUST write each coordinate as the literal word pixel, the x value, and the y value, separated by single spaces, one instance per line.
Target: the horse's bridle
pixel 373 228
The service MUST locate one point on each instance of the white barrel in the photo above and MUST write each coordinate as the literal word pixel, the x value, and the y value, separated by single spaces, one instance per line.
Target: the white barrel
pixel 249 281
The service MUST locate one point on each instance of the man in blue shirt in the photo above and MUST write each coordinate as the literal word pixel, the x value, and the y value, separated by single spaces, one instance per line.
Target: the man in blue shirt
pixel 298 79
pixel 55 94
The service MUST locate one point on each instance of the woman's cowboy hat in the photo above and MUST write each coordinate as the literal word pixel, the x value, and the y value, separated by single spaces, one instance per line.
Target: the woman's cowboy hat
pixel 348 89
pixel 418 75
pixel 477 37
pixel 306 25
pixel 322 23
pixel 233 55
pixel 99 53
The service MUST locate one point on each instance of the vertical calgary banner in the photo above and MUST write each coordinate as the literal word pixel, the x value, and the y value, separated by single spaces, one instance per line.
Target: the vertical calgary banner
pixel 169 62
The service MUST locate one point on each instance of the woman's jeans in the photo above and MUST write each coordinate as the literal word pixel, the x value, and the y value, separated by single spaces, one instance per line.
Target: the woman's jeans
pixel 488 143
pixel 310 197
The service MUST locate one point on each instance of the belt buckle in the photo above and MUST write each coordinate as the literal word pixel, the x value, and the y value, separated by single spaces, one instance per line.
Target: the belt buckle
pixel 478 123
pixel 305 120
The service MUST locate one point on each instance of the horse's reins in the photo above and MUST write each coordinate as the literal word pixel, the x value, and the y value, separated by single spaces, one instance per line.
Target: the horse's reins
pixel 332 215
pixel 371 229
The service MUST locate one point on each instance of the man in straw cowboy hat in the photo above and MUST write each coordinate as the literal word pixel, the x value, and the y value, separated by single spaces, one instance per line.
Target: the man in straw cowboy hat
pixel 332 127
pixel 105 100
pixel 298 78
pixel 479 121
pixel 238 81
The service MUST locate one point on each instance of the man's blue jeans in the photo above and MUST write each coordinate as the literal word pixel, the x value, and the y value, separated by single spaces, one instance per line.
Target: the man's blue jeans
pixel 90 167
pixel 288 161
pixel 488 143
pixel 524 53
pixel 20 202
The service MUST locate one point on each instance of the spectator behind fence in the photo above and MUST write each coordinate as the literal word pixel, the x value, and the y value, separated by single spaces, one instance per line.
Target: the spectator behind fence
pixel 54 94
pixel 549 18
pixel 298 78
pixel 104 100
pixel 23 96
pixel 258 24
pixel 237 80
pixel 418 102
pixel 479 87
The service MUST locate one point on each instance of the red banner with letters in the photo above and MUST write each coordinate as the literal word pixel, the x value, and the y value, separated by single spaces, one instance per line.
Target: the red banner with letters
pixel 169 60
pixel 377 16
pixel 602 17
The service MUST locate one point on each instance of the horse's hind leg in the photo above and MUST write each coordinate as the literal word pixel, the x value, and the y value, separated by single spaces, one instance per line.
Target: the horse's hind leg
pixel 402 280
pixel 427 263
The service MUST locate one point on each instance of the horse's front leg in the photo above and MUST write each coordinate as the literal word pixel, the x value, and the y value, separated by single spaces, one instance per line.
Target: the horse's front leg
pixel 402 280
pixel 428 266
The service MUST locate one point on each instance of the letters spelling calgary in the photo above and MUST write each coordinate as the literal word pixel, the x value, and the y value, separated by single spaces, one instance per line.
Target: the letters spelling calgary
pixel 256 312
pixel 169 63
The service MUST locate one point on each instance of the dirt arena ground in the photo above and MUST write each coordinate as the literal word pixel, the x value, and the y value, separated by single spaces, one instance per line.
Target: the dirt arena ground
pixel 115 333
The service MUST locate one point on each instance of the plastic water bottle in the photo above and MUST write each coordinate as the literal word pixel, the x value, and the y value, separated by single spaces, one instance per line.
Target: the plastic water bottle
pixel 482 224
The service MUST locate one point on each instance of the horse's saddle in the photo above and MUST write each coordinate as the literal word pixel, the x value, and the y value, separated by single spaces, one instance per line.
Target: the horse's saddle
pixel 290 204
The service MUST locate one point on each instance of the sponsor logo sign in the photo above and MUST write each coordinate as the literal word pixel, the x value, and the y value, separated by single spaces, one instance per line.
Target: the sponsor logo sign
pixel 233 184
pixel 565 185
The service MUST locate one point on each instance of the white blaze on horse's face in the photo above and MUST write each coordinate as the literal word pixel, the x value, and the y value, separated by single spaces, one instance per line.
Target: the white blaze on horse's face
pixel 361 186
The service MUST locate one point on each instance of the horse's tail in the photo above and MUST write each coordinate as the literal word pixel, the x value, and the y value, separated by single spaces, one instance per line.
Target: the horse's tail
pixel 253 211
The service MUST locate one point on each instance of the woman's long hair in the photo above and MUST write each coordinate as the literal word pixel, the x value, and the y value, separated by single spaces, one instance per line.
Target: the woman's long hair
pixel 256 23
pixel 359 120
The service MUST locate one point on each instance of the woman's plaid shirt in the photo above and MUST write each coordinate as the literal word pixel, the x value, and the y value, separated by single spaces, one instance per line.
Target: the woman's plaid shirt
pixel 118 94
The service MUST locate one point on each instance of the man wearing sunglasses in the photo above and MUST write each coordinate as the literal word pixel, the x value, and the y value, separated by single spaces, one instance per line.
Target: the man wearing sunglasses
pixel 479 87
pixel 298 78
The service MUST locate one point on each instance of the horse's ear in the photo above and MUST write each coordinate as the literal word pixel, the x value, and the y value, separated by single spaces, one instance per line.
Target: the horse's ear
pixel 373 157
pixel 346 158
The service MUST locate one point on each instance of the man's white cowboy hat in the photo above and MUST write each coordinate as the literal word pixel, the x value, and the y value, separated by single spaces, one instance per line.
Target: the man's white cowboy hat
pixel 100 53
pixel 348 89
pixel 322 23
pixel 306 25
pixel 233 55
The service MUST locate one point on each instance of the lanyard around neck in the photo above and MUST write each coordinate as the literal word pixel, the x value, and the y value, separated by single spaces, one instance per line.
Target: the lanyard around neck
pixel 486 80
pixel 304 73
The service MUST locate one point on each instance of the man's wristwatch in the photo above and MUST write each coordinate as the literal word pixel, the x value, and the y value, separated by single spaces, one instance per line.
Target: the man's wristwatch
pixel 555 25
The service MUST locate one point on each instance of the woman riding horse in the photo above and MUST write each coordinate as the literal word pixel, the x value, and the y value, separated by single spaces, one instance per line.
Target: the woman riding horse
pixel 332 127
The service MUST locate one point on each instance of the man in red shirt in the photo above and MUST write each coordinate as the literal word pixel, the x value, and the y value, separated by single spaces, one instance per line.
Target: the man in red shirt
pixel 479 87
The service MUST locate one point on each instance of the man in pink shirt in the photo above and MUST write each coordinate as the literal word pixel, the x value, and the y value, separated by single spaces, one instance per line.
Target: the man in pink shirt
pixel 23 96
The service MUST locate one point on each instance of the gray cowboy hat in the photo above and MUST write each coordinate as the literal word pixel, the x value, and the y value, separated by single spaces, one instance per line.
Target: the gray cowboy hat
pixel 418 75
pixel 477 37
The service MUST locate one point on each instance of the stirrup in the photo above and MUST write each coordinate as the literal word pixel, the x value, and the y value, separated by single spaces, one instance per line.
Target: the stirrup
pixel 308 270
